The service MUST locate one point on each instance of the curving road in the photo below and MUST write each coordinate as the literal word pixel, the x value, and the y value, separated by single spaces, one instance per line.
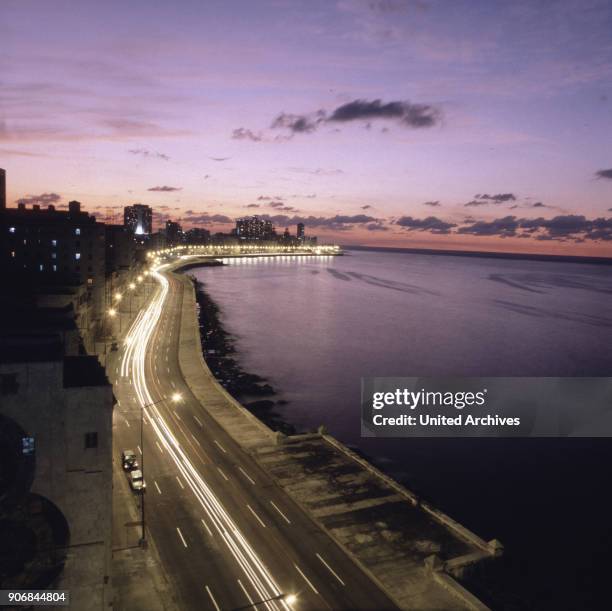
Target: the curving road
pixel 227 535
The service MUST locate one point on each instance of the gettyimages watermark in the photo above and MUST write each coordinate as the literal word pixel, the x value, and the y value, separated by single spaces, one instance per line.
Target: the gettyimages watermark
pixel 486 407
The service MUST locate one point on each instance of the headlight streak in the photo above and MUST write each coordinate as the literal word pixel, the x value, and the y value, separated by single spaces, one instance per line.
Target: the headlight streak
pixel 134 360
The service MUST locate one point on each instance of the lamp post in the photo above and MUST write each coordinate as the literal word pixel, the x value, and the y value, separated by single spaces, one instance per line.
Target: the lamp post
pixel 175 398
pixel 131 287
pixel 290 599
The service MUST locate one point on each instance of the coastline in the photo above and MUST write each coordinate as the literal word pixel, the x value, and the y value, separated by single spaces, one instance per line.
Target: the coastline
pixel 218 350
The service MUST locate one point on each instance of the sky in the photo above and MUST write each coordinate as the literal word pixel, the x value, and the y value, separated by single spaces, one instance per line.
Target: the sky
pixel 479 125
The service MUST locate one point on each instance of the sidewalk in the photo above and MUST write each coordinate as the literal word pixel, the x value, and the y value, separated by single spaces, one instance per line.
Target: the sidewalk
pixel 139 579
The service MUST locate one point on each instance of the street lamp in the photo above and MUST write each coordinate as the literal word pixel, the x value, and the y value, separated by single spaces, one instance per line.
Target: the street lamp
pixel 175 398
pixel 290 599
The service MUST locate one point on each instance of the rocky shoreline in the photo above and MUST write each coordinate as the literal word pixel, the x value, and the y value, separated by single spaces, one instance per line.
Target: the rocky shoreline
pixel 251 390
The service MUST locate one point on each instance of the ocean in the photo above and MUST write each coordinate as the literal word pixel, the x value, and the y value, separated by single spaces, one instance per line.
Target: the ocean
pixel 314 327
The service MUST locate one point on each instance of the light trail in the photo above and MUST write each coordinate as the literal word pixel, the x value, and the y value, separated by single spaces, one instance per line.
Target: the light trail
pixel 133 367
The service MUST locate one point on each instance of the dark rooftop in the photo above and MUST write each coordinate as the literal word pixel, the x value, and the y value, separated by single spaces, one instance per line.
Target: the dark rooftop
pixel 80 371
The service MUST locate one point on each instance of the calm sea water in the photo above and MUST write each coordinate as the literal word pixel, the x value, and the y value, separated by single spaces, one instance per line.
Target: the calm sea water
pixel 314 328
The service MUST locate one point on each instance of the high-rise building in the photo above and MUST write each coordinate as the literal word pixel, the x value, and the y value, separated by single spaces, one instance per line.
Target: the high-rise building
pixel 2 189
pixel 49 246
pixel 174 233
pixel 138 219
pixel 300 232
pixel 254 228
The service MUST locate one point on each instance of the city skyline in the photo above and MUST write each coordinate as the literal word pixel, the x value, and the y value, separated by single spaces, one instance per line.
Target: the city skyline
pixel 384 122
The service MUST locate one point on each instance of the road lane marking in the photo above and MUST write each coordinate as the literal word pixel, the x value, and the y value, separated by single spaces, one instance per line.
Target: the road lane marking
pixel 127 422
pixel 195 439
pixel 158 446
pixel 178 530
pixel 168 369
pixel 220 446
pixel 139 450
pixel 246 475
pixel 158 490
pixel 246 593
pixel 177 416
pixel 198 421
pixel 206 527
pixel 258 518
pixel 223 474
pixel 306 579
pixel 279 511
pixel 212 598
pixel 331 570
pixel 178 479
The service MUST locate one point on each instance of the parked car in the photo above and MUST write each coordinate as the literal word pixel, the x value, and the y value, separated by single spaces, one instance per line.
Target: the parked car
pixel 128 460
pixel 136 481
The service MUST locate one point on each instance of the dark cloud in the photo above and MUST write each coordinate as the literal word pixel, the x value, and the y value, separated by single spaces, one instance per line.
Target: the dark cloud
pixel 366 207
pixel 403 113
pixel 562 227
pixel 206 219
pixel 604 174
pixel 44 199
pixel 165 189
pixel 299 124
pixel 242 133
pixel 338 222
pixel 263 198
pixel 433 204
pixel 407 114
pixel 486 199
pixel 504 227
pixel 219 158
pixel 252 206
pixel 149 154
pixel 276 204
pixel 377 227
pixel 431 224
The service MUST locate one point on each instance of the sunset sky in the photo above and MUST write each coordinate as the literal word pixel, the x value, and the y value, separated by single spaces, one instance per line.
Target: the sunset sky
pixel 457 124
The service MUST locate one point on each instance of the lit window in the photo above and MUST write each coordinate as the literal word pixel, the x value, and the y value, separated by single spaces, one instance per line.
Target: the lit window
pixel 54 255
pixel 13 254
pixel 77 255
pixel 27 446
pixel 53 242
pixel 11 230
pixel 41 267
pixel 77 231
pixel 55 268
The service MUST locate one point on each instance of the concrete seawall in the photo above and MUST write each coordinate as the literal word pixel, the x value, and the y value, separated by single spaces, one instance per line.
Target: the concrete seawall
pixel 404 544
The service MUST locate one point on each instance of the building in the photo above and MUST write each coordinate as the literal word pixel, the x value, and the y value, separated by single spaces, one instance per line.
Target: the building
pixel 2 189
pixel 197 235
pixel 300 232
pixel 49 247
pixel 138 219
pixel 254 228
pixel 174 233
pixel 120 249
pixel 56 489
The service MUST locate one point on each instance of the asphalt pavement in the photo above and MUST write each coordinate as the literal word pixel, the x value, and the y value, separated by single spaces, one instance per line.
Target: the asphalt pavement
pixel 228 537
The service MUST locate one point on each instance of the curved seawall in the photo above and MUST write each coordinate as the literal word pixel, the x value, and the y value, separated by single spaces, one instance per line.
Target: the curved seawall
pixel 406 546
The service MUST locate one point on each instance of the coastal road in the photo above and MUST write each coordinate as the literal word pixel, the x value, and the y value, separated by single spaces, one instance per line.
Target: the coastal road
pixel 227 535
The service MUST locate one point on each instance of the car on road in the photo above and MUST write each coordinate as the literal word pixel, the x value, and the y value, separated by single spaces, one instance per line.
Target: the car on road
pixel 137 482
pixel 128 460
